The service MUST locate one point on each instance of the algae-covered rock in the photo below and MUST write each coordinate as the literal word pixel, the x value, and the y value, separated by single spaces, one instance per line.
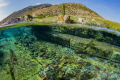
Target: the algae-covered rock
pixel 5 73
pixel 115 57
pixel 36 77
pixel 80 45
pixel 82 31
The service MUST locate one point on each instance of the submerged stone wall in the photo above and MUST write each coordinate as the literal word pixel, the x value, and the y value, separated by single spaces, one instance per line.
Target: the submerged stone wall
pixel 89 44
pixel 85 32
pixel 84 46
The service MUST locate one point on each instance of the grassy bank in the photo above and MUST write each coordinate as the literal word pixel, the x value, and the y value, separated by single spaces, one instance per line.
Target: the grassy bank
pixel 91 21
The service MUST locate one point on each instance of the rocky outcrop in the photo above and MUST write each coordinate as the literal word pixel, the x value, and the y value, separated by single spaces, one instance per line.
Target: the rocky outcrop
pixel 64 19
pixel 67 19
pixel 16 20
pixel 82 21
pixel 60 19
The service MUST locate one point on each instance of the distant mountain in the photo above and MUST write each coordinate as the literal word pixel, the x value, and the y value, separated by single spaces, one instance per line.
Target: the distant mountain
pixel 70 9
pixel 53 10
pixel 25 11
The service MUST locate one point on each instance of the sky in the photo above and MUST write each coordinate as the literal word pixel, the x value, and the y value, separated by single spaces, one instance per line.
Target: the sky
pixel 108 9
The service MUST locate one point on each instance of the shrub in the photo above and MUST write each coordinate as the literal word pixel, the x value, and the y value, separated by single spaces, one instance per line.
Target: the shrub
pixel 41 16
pixel 29 17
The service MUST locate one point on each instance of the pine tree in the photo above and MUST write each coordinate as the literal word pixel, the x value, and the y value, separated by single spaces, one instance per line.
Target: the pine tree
pixel 63 9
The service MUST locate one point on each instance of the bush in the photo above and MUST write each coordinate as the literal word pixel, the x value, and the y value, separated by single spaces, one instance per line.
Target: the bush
pixel 29 17
pixel 41 16
pixel 112 25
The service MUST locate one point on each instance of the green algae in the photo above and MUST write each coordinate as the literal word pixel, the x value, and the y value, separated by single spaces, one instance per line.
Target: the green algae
pixel 36 77
pixel 69 63
pixel 4 73
pixel 66 63
pixel 39 59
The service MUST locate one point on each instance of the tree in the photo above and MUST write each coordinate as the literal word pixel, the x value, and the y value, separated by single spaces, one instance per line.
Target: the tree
pixel 63 9
pixel 29 17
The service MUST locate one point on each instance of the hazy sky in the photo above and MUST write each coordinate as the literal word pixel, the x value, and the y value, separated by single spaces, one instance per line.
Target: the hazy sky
pixel 109 9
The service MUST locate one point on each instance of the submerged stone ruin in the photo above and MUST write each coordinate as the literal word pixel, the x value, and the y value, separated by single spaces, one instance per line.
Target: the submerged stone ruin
pixel 59 52
pixel 98 43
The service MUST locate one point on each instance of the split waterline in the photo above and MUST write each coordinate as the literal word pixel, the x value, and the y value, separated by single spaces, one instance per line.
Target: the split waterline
pixel 80 25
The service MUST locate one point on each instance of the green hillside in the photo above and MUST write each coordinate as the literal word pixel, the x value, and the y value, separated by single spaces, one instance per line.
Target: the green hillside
pixel 53 10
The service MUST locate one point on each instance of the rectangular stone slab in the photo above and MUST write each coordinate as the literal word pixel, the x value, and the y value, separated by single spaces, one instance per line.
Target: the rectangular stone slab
pixel 85 46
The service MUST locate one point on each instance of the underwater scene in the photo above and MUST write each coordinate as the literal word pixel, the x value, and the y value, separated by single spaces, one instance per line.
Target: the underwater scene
pixel 59 52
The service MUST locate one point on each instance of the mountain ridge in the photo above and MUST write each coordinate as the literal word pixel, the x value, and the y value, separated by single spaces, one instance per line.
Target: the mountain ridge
pixel 53 10
pixel 24 11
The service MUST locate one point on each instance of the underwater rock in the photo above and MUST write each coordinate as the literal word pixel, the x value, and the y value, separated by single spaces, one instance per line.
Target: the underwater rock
pixel 116 57
pixel 4 42
pixel 81 45
pixel 9 34
pixel 27 30
pixel 7 42
pixel 102 35
pixel 11 40
pixel 1 57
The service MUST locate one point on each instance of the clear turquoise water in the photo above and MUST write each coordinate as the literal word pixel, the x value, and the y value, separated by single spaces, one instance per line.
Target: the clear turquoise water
pixel 25 56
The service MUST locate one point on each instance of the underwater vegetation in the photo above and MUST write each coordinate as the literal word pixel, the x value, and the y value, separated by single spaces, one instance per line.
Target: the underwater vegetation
pixel 58 52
